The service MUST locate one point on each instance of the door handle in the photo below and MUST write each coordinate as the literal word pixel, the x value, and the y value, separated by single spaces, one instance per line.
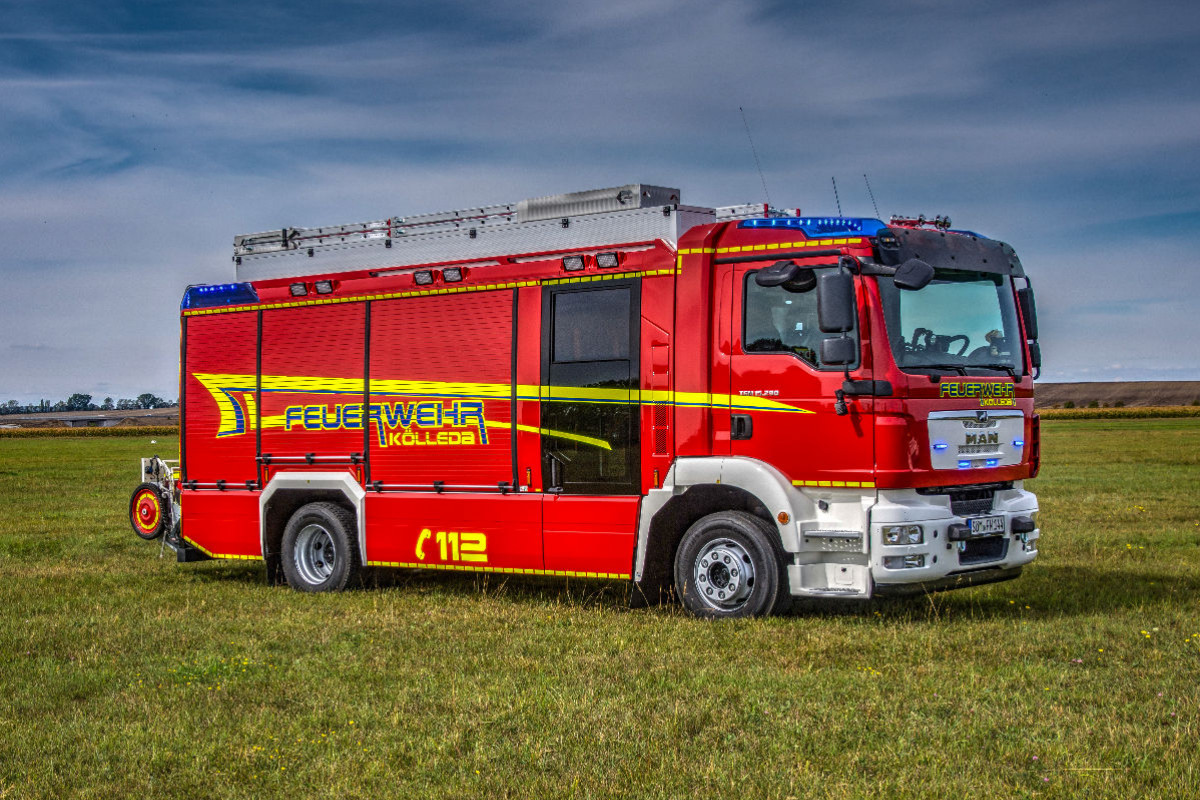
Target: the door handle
pixel 741 426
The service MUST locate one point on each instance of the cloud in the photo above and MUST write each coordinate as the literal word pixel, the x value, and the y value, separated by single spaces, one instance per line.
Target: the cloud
pixel 139 137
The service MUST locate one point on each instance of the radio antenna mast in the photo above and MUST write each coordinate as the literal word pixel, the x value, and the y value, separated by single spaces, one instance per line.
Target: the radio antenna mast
pixel 754 152
pixel 873 203
pixel 836 197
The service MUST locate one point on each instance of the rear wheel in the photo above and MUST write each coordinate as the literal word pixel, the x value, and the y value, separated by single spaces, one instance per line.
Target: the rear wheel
pixel 728 566
pixel 148 511
pixel 320 548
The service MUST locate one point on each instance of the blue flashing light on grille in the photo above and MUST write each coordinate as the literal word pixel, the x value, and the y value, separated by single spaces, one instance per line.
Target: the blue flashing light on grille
pixel 940 445
pixel 991 462
pixel 1018 442
pixel 964 465
pixel 222 294
pixel 819 226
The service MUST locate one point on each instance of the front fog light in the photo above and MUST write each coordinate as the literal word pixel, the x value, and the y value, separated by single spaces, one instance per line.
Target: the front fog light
pixel 903 534
pixel 910 561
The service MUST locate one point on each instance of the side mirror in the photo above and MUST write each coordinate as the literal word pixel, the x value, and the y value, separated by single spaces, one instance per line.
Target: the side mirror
pixel 1028 312
pixel 838 351
pixel 835 302
pixel 1035 355
pixel 912 275
pixel 777 274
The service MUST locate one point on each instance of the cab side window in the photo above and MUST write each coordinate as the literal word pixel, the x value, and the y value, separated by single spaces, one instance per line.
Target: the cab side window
pixel 775 320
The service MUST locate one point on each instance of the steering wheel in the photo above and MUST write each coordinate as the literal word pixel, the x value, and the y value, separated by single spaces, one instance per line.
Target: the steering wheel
pixel 925 340
pixel 946 341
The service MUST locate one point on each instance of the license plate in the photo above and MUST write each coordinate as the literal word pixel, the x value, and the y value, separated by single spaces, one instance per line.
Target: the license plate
pixel 983 526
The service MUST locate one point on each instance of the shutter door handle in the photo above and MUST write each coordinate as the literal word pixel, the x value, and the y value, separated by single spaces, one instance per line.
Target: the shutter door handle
pixel 741 427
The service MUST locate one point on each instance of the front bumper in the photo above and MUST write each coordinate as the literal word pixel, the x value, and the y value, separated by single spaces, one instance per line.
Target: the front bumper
pixel 944 560
pixel 842 553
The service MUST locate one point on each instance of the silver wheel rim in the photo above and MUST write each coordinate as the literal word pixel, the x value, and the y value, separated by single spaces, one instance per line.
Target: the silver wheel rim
pixel 315 555
pixel 723 574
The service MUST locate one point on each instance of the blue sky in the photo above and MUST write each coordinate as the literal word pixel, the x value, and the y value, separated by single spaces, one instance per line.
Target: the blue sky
pixel 140 137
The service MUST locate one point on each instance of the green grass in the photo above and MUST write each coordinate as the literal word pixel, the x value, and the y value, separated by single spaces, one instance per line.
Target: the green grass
pixel 125 675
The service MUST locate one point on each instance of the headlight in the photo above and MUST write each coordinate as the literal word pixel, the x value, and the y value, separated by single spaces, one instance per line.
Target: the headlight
pixel 903 534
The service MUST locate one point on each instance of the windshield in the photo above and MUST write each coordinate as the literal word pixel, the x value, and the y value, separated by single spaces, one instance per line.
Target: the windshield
pixel 961 321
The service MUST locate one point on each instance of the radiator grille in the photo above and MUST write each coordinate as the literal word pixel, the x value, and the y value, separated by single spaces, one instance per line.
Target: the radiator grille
pixel 979 551
pixel 968 501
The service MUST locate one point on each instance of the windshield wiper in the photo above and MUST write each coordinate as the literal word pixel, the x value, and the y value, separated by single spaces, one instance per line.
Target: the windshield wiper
pixel 1012 373
pixel 959 368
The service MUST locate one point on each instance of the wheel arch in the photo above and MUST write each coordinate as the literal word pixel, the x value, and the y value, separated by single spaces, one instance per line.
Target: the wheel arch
pixel 695 488
pixel 288 491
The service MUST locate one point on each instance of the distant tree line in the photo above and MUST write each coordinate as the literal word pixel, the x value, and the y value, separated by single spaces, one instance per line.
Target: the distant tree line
pixel 83 402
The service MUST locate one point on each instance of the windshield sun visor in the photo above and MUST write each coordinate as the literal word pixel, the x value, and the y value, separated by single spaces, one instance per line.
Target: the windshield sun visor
pixel 944 250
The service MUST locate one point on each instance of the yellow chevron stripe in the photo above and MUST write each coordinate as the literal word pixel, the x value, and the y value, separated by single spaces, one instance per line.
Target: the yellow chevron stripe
pixel 211 554
pixel 836 484
pixel 750 248
pixel 485 287
pixel 505 570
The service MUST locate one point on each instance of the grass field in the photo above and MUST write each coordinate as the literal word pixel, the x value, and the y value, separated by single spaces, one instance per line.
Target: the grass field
pixel 122 675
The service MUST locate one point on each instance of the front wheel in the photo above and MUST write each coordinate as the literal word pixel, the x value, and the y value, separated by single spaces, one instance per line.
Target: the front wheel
pixel 320 551
pixel 728 566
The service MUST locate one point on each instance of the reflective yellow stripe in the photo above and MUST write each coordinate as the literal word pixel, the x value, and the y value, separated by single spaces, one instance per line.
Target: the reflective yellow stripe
pixel 230 392
pixel 574 437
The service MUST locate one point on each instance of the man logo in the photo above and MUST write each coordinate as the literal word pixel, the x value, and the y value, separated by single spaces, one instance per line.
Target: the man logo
pixel 981 416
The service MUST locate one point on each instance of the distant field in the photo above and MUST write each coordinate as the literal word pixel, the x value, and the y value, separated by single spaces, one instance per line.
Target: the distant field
pixel 1109 393
pixel 123 675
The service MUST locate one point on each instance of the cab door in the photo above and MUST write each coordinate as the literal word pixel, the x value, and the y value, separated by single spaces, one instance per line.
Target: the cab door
pixel 782 398
pixel 590 426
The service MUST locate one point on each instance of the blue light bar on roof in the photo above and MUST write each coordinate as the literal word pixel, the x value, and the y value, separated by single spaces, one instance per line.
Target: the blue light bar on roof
pixel 819 226
pixel 222 294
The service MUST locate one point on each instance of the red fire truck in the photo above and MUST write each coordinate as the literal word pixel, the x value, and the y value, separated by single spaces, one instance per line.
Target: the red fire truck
pixel 739 405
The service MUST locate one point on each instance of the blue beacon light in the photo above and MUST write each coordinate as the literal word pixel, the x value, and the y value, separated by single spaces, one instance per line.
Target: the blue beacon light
pixel 819 226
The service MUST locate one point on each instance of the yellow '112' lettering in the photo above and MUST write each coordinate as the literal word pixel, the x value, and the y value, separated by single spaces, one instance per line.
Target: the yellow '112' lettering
pixel 466 548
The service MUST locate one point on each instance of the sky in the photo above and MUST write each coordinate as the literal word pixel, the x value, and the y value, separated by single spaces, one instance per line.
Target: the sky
pixel 137 138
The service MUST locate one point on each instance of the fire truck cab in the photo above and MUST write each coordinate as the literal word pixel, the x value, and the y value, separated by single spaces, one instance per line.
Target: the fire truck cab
pixel 738 405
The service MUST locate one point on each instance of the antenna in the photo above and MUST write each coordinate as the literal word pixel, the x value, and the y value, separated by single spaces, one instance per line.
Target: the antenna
pixel 873 203
pixel 754 151
pixel 835 196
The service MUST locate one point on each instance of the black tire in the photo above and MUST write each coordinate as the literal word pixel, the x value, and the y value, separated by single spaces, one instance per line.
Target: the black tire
pixel 320 548
pixel 149 511
pixel 728 565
